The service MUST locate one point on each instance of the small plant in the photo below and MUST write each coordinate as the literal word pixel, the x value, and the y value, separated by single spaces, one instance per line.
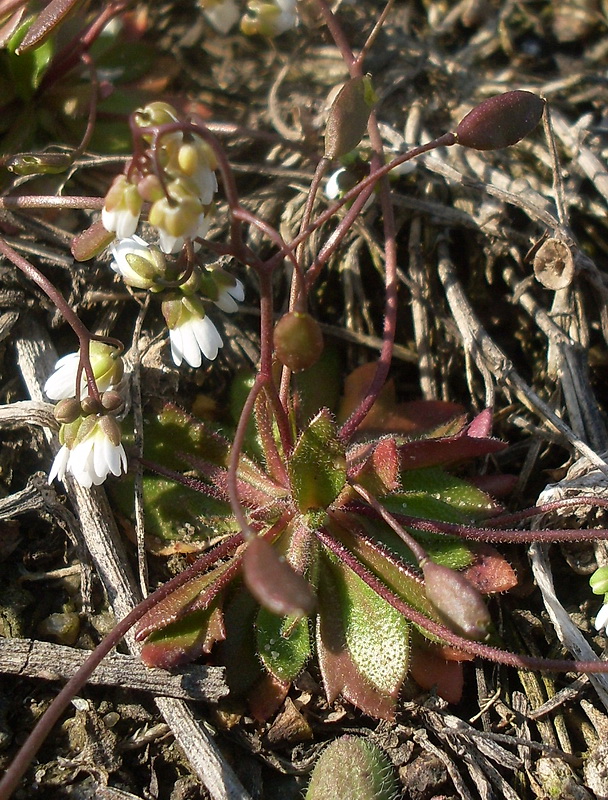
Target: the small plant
pixel 355 532
pixel 352 769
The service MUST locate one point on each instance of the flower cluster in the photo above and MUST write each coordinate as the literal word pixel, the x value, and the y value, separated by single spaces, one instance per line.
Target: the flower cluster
pixel 191 331
pixel 174 173
pixel 91 446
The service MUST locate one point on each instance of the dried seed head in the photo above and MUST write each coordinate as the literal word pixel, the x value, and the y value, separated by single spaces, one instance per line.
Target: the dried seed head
pixel 554 264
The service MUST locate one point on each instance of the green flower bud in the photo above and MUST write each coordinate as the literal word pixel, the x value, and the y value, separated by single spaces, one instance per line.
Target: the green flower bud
pixel 599 581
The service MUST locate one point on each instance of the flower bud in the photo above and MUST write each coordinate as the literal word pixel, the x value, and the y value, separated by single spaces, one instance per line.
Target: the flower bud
pixel 68 410
pixel 298 341
pixel 599 581
pixel 458 602
pixel 157 113
pixel 90 405
pixel 112 401
pixel 500 121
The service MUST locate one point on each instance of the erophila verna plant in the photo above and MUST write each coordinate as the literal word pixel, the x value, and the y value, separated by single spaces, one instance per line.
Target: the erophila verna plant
pixel 350 536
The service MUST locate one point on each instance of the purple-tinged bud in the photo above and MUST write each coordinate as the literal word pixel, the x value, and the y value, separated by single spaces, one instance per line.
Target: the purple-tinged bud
pixel 112 401
pixel 458 602
pixel 68 410
pixel 298 341
pixel 500 121
pixel 90 405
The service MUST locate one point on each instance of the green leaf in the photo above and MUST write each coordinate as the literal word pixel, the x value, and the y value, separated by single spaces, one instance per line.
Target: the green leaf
pixel 28 68
pixel 283 644
pixel 377 635
pixel 317 468
pixel 449 489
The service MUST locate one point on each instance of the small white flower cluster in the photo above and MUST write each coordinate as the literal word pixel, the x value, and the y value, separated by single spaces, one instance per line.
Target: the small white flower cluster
pixel 265 17
pixel 181 209
pixel 181 196
pixel 91 446
pixel 191 331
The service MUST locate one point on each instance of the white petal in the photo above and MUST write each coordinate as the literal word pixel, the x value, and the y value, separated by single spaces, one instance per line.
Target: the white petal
pixel 62 383
pixel 177 347
pixel 207 337
pixel 59 464
pixel 169 244
pixel 602 618
pixel 237 291
pixel 192 349
pixel 226 303
pixel 332 187
pixel 80 464
pixel 100 457
pixel 223 16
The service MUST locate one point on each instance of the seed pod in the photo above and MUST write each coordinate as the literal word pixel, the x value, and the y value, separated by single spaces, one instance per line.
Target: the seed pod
pixel 457 601
pixel 554 264
pixel 347 120
pixel 274 583
pixel 91 242
pixel 298 341
pixel 500 121
pixel 352 768
pixel 39 163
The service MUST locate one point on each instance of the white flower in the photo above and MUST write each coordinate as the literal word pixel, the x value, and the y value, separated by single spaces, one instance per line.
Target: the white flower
pixel 91 460
pixel 288 17
pixel 192 337
pixel 228 297
pixel 122 207
pixel 138 264
pixel 222 15
pixel 174 244
pixel 601 621
pixel 107 368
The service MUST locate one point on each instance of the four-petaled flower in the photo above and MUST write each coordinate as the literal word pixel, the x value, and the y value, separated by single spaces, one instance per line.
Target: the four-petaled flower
pixel 193 336
pixel 92 453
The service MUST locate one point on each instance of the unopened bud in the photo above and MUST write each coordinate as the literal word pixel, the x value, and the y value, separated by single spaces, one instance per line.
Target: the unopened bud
pixel 599 581
pixel 298 341
pixel 112 401
pixel 500 121
pixel 90 405
pixel 68 410
pixel 157 113
pixel 458 602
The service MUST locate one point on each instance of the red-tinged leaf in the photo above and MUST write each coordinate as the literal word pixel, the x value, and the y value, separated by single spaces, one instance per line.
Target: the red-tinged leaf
pixel 177 603
pixel 351 621
pixel 480 426
pixel 490 572
pixel 267 696
pixel 274 583
pixel 497 486
pixel 448 450
pixel 430 671
pixel 184 640
pixel 47 20
pixel 375 465
pixel 388 416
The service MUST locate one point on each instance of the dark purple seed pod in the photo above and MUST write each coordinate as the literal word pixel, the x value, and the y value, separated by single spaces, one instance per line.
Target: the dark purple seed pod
pixel 500 121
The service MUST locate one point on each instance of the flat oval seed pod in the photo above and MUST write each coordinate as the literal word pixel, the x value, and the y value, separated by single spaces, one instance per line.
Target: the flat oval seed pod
pixel 500 121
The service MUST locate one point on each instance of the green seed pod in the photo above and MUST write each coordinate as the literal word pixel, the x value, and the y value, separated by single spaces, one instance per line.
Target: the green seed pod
pixel 500 121
pixel 39 163
pixel 352 768
pixel 298 341
pixel 348 116
pixel 457 601
pixel 92 242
